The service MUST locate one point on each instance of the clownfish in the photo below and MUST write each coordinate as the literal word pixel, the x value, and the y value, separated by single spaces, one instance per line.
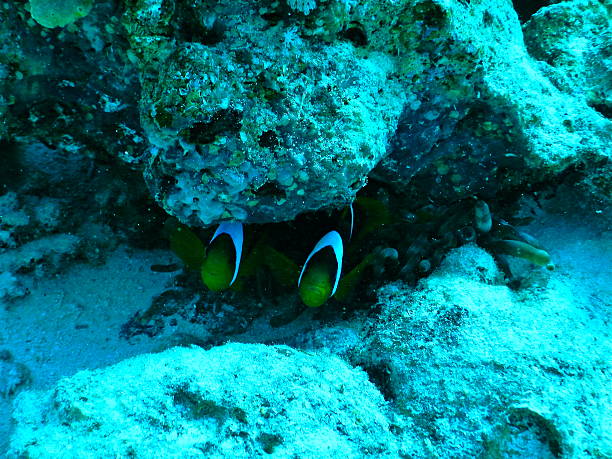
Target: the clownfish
pixel 319 277
pixel 221 263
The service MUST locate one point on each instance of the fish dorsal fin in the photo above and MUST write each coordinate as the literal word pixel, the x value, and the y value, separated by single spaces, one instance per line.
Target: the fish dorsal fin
pixel 236 234
pixel 333 240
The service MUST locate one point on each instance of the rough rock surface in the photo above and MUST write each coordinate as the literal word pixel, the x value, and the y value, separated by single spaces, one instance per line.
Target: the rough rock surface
pixel 572 42
pixel 72 89
pixel 236 400
pixel 260 111
pixel 258 90
pixel 45 219
pixel 257 113
pixel 482 371
pixel 489 118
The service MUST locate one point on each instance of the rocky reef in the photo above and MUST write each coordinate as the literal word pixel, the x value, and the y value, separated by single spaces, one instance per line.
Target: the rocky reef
pixel 435 137
pixel 489 372
pixel 460 365
pixel 210 403
pixel 259 112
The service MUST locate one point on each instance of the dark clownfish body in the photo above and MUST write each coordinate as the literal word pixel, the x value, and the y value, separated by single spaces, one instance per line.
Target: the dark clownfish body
pixel 321 272
pixel 218 266
pixel 317 285
pixel 222 261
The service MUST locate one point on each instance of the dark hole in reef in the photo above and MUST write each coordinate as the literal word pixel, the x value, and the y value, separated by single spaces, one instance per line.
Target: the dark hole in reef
pixel 380 376
pixel 163 118
pixel 269 441
pixel 193 28
pixel 604 110
pixel 222 121
pixel 526 419
pixel 212 35
pixel 143 226
pixel 477 114
pixel 279 12
pixel 273 17
pixel 430 14
pixel 166 183
pixel 268 139
pixel 355 34
pixel 527 8
pixel 244 56
pixel 11 171
pixel 270 189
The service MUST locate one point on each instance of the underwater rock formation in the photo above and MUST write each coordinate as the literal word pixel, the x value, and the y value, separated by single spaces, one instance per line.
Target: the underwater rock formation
pixel 187 402
pixel 471 122
pixel 481 371
pixel 571 41
pixel 68 103
pixel 47 216
pixel 72 89
pixel 258 112
pixel 490 118
pixel 464 117
pixel 59 13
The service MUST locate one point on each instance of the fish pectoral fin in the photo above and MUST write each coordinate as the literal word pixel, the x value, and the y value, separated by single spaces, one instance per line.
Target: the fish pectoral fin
pixel 283 269
pixel 348 283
